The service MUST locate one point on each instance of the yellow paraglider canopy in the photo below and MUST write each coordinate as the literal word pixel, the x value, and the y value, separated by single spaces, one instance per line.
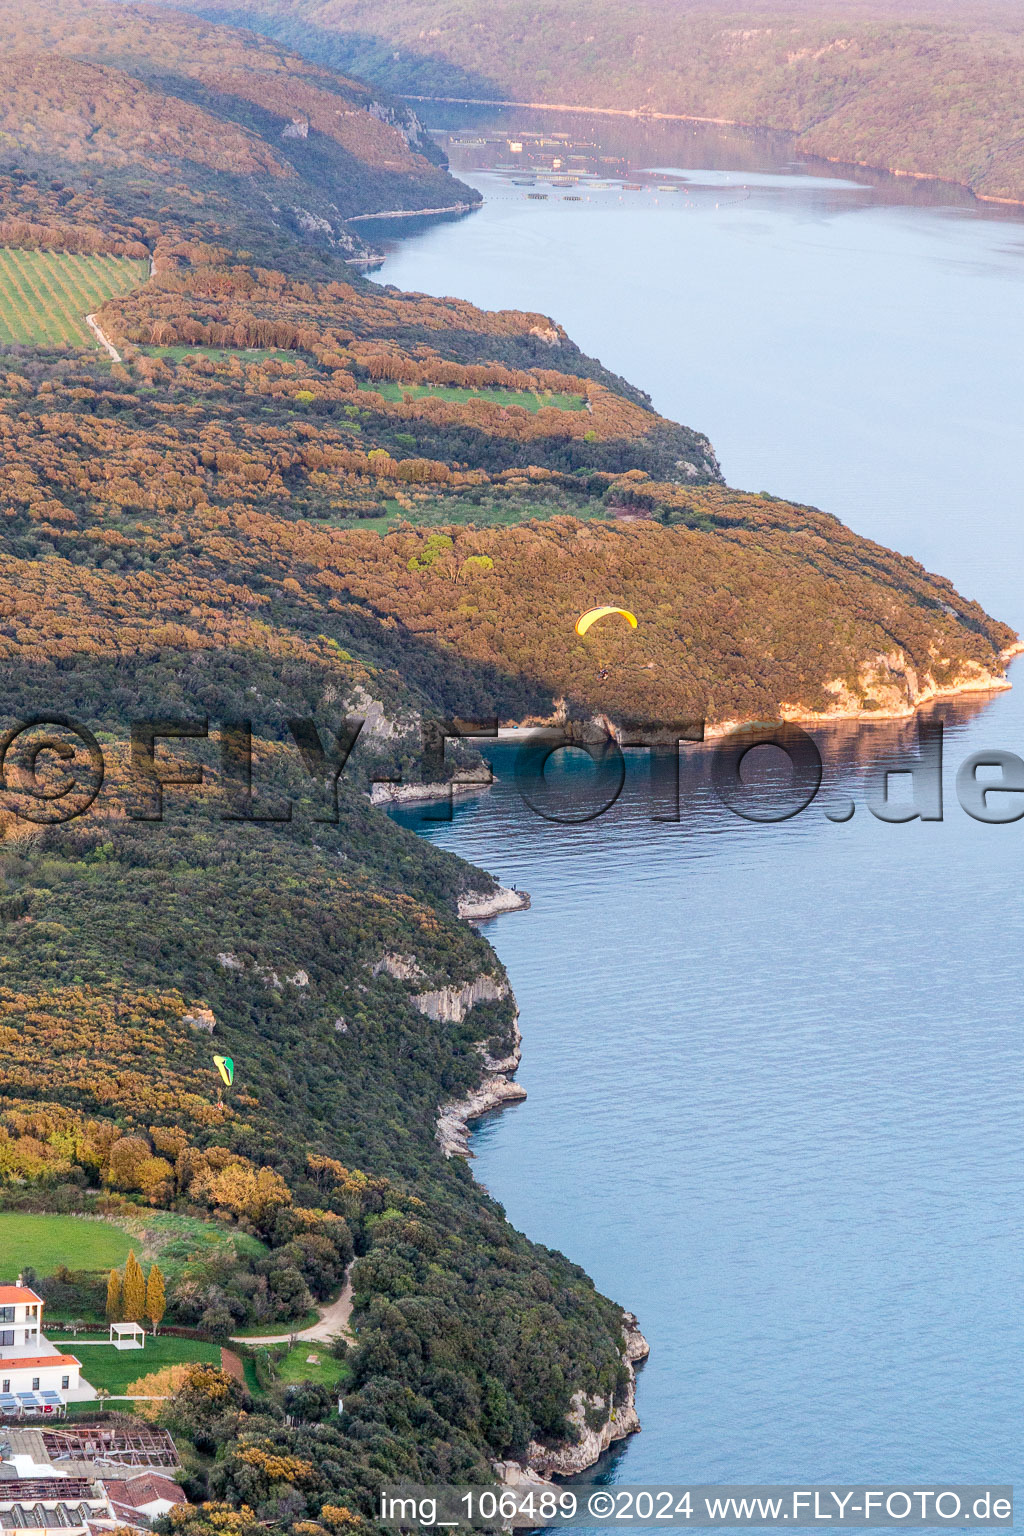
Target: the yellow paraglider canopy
pixel 592 615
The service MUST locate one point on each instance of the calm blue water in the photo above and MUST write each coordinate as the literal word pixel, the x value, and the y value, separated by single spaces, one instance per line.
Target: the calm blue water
pixel 775 1073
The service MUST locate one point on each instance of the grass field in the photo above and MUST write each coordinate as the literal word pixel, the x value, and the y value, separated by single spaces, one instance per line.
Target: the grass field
pixel 179 1242
pixel 46 1241
pixel 251 1382
pixel 45 295
pixel 296 1367
pixel 115 1369
pixel 444 512
pixel 521 397
pixel 223 354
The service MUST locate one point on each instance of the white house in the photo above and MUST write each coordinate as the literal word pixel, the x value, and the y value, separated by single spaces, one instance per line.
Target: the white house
pixel 21 1315
pixel 29 1364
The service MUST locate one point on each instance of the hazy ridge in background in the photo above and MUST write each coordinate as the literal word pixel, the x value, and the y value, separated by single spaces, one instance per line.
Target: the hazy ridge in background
pixel 934 92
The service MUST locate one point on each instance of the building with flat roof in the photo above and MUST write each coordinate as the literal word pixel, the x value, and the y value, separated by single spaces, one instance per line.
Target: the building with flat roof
pixel 73 1506
pixel 35 1376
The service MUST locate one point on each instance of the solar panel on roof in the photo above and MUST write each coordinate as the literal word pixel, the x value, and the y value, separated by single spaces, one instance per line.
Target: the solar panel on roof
pixel 52 1397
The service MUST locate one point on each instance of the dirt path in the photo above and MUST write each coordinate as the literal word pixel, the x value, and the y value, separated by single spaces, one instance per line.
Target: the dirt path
pixel 108 346
pixel 333 1320
pixel 232 1365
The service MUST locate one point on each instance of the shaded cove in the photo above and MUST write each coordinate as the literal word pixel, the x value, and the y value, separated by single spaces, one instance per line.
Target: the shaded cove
pixel 774 1072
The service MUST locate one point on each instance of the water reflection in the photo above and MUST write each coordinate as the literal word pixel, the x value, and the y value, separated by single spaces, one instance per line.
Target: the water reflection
pixel 541 778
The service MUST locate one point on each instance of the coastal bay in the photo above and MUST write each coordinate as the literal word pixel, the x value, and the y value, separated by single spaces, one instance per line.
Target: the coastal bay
pixel 854 347
pixel 778 1118
pixel 275 486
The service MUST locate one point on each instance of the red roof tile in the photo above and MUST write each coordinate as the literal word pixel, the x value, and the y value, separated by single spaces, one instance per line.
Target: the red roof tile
pixel 23 1362
pixel 15 1295
pixel 143 1489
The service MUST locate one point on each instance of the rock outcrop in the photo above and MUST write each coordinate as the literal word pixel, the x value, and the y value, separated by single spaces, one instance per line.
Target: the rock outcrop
pixel 453 1121
pixel 520 1479
pixel 383 793
pixel 453 1003
pixel 200 1019
pixel 401 967
pixel 378 726
pixel 495 1090
pixel 476 906
pixel 889 687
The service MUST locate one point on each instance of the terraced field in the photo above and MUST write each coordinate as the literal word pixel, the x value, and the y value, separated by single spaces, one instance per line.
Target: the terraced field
pixel 45 295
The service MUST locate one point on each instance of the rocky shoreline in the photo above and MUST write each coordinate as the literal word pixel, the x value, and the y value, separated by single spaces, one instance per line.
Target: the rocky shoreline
pixel 903 693
pixel 410 213
pixel 543 1462
pixel 384 793
pixel 477 906
pixel 897 689
pixel 891 682
pixel 496 1089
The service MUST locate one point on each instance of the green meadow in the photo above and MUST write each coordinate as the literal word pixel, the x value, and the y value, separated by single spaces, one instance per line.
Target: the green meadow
pixel 44 1242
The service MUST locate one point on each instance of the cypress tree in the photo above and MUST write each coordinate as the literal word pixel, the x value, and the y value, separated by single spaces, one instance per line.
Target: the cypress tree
pixel 114 1296
pixel 133 1296
pixel 156 1302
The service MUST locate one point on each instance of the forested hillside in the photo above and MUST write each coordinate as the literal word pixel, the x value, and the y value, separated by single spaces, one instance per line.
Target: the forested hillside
pixel 936 96
pixel 196 127
pixel 292 496
pixel 204 502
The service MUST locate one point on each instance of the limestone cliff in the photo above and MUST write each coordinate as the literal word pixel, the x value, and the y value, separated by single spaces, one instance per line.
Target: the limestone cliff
pixel 495 1089
pixel 453 1003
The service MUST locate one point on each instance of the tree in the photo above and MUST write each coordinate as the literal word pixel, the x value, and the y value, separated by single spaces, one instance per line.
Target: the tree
pixel 244 1191
pixel 127 1156
pixel 159 1386
pixel 475 563
pixel 114 1296
pixel 156 1301
pixel 308 1402
pixel 133 1295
